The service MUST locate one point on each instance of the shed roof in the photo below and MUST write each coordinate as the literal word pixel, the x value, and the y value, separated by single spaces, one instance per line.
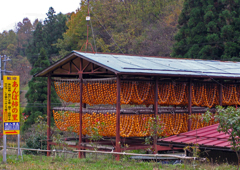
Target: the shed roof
pixel 127 64
pixel 207 136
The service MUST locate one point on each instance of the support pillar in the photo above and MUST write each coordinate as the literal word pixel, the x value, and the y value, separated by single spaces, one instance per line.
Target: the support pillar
pixel 48 113
pixel 80 154
pixel 84 140
pixel 189 103
pixel 155 114
pixel 118 107
pixel 4 148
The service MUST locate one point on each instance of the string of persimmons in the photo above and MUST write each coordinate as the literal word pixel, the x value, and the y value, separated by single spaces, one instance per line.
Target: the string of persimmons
pixel 142 93
pixel 130 125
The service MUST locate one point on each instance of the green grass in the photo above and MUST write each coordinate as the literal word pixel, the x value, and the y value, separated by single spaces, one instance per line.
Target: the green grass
pixel 103 163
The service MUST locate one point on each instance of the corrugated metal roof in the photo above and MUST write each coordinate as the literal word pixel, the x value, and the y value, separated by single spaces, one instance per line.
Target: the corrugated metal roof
pixel 140 65
pixel 207 136
pixel 170 66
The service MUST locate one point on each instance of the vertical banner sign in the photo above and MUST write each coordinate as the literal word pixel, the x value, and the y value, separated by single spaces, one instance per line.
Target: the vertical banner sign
pixel 11 105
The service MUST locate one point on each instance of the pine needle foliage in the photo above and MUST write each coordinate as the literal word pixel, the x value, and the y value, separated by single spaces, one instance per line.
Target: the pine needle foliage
pixel 208 29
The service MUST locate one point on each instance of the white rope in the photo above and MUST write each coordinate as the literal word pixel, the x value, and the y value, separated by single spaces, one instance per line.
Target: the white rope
pixel 38 150
pixel 116 153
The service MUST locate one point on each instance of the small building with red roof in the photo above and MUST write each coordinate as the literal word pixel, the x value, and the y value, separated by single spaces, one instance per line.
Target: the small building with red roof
pixel 213 144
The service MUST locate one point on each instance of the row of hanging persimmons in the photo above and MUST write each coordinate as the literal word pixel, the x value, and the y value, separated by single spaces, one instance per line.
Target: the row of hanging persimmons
pixel 130 125
pixel 142 93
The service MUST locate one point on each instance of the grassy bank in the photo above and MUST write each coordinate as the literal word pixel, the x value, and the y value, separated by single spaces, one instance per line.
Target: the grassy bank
pixel 43 162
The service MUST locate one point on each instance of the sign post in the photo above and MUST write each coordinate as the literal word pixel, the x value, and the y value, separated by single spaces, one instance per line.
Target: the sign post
pixel 11 110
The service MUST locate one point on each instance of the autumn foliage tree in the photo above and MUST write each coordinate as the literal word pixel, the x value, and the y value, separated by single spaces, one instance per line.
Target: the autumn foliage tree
pixel 129 27
pixel 24 35
pixel 76 33
pixel 9 46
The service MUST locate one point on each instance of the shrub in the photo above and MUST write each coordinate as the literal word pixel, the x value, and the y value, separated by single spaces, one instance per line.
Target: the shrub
pixel 36 141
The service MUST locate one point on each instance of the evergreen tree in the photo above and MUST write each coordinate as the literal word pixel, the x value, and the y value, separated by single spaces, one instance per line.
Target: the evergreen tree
pixel 38 42
pixel 46 35
pixel 54 27
pixel 208 30
pixel 230 31
pixel 37 93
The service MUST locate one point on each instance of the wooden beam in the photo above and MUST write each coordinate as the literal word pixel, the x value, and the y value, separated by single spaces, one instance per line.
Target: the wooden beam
pixel 155 114
pixel 103 72
pixel 63 69
pixel 97 69
pixel 92 67
pixel 84 105
pixel 75 66
pixel 80 155
pixel 76 73
pixel 70 66
pixel 80 116
pixel 118 108
pixel 63 65
pixel 81 65
pixel 189 102
pixel 48 113
pixel 85 66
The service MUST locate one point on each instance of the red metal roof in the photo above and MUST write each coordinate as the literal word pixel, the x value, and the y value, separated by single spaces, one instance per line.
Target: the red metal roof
pixel 207 136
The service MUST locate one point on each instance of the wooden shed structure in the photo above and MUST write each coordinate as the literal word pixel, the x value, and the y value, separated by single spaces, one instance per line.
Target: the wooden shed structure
pixel 166 86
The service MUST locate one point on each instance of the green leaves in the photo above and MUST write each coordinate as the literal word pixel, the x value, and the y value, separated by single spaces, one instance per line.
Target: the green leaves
pixel 229 123
pixel 46 35
pixel 36 141
pixel 37 93
pixel 220 28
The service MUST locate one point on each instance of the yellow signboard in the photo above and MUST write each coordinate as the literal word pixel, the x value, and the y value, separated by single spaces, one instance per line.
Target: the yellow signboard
pixel 11 105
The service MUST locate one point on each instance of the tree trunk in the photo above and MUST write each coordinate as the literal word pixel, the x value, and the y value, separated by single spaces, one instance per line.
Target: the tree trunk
pixel 238 153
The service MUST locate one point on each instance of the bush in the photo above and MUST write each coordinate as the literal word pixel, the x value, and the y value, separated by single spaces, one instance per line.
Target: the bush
pixel 36 141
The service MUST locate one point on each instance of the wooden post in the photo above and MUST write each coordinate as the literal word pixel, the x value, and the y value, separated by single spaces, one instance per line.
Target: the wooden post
pixel 48 113
pixel 80 154
pixel 189 103
pixel 84 140
pixel 155 114
pixel 118 107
